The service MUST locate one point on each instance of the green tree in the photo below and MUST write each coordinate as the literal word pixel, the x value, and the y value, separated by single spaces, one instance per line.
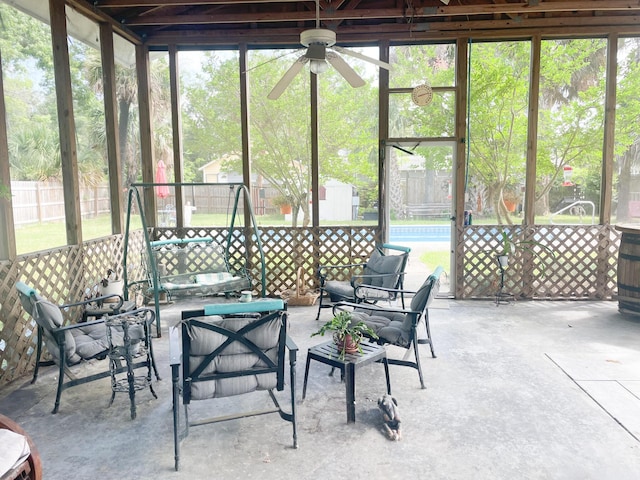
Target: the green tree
pixel 498 119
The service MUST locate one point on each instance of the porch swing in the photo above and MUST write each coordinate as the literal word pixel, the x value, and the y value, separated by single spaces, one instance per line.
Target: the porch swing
pixel 192 261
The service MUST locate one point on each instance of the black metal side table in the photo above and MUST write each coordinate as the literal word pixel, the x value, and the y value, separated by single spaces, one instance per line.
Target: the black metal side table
pixel 329 354
pixel 129 340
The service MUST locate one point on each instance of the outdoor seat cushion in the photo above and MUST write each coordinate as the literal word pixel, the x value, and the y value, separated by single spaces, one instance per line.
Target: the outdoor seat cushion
pixel 338 290
pixel 81 343
pixel 15 450
pixel 394 328
pixel 234 358
pixel 380 264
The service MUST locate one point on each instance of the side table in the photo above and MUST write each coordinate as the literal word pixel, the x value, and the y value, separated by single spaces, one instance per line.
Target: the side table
pixel 329 354
pixel 129 339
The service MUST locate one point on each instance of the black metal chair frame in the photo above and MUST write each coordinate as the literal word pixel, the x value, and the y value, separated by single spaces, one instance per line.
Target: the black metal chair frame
pixel 57 335
pixel 180 362
pixel 433 284
pixel 360 279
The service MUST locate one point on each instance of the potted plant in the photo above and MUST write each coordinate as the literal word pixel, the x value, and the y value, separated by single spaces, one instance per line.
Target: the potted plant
pixel 283 202
pixel 509 246
pixel 110 285
pixel 347 333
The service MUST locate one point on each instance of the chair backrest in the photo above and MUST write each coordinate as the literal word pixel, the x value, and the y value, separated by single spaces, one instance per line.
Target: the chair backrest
pixel 427 292
pixel 231 355
pixel 381 264
pixel 49 317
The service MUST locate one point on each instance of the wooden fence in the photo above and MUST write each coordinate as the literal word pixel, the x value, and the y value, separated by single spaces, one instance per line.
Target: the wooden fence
pixel 38 202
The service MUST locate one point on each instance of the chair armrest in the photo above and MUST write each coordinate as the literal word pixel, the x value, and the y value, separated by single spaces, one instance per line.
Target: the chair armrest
pixel 293 350
pixel 360 279
pixel 96 299
pixel 291 344
pixel 323 270
pixel 395 291
pixel 72 326
pixel 342 306
pixel 175 348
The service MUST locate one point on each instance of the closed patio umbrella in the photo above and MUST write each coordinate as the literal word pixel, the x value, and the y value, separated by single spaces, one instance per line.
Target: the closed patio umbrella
pixel 162 191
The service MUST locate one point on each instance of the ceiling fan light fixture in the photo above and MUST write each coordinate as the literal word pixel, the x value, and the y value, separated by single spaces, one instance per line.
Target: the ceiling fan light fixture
pixel 318 66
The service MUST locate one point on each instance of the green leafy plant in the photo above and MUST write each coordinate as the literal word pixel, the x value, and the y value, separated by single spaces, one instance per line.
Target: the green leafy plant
pixel 509 246
pixel 280 201
pixel 343 326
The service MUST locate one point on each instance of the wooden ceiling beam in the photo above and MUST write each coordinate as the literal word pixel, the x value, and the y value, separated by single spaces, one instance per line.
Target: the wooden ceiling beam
pixel 511 9
pixel 362 35
pixel 181 3
pixel 517 8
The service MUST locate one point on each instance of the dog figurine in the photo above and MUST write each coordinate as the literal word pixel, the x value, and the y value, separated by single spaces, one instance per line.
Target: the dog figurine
pixel 389 407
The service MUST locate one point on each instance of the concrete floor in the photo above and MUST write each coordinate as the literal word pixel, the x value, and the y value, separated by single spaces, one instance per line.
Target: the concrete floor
pixel 546 390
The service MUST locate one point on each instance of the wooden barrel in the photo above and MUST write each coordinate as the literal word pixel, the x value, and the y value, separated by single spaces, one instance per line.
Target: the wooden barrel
pixel 629 269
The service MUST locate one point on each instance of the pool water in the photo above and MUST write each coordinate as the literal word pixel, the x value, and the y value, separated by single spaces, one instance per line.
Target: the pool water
pixel 419 233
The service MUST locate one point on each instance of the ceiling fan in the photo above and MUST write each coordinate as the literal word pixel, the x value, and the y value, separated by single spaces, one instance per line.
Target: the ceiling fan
pixel 321 48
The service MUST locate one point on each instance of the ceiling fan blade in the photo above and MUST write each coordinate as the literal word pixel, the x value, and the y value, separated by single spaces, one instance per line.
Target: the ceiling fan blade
pixel 360 56
pixel 345 70
pixel 287 78
pixel 272 60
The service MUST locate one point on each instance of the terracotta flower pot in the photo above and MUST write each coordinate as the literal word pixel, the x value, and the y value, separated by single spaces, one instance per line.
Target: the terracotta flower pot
pixel 285 209
pixel 346 345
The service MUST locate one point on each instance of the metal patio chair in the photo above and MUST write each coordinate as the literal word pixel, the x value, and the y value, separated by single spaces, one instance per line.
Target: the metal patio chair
pixel 382 269
pixel 406 328
pixel 231 349
pixel 70 343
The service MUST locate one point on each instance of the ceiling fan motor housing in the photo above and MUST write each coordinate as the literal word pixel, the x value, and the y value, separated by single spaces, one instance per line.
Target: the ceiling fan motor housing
pixel 318 36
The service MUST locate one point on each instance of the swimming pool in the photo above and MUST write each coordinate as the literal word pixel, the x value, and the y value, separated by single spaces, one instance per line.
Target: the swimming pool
pixel 419 233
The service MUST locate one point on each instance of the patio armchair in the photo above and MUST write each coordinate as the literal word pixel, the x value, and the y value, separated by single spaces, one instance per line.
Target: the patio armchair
pixel 406 328
pixel 381 270
pixel 230 349
pixel 69 343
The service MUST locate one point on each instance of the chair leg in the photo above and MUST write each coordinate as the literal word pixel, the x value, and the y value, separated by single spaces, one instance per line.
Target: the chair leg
pixel 60 386
pixel 292 374
pixel 320 304
pixel 176 415
pixel 428 339
pixel 38 354
pixel 147 334
pixel 419 367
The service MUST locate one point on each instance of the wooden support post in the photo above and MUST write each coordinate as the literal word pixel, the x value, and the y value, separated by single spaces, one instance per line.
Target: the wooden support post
pixel 460 170
pixel 66 122
pixel 111 127
pixel 146 132
pixel 7 228
pixel 176 127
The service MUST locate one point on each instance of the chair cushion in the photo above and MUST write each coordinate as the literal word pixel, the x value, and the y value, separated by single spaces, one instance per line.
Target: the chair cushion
pixel 15 450
pixel 425 294
pixel 390 328
pixel 49 317
pixel 234 358
pixel 338 290
pixel 91 341
pixel 383 264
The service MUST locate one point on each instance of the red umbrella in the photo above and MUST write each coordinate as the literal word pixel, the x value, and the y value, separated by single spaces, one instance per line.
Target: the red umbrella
pixel 161 177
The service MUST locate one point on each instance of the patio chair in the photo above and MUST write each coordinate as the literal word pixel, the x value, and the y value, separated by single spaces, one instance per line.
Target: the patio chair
pixel 230 349
pixel 70 343
pixel 381 270
pixel 406 328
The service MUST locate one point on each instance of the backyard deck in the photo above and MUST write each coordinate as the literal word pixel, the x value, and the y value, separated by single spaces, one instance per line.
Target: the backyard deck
pixel 525 390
